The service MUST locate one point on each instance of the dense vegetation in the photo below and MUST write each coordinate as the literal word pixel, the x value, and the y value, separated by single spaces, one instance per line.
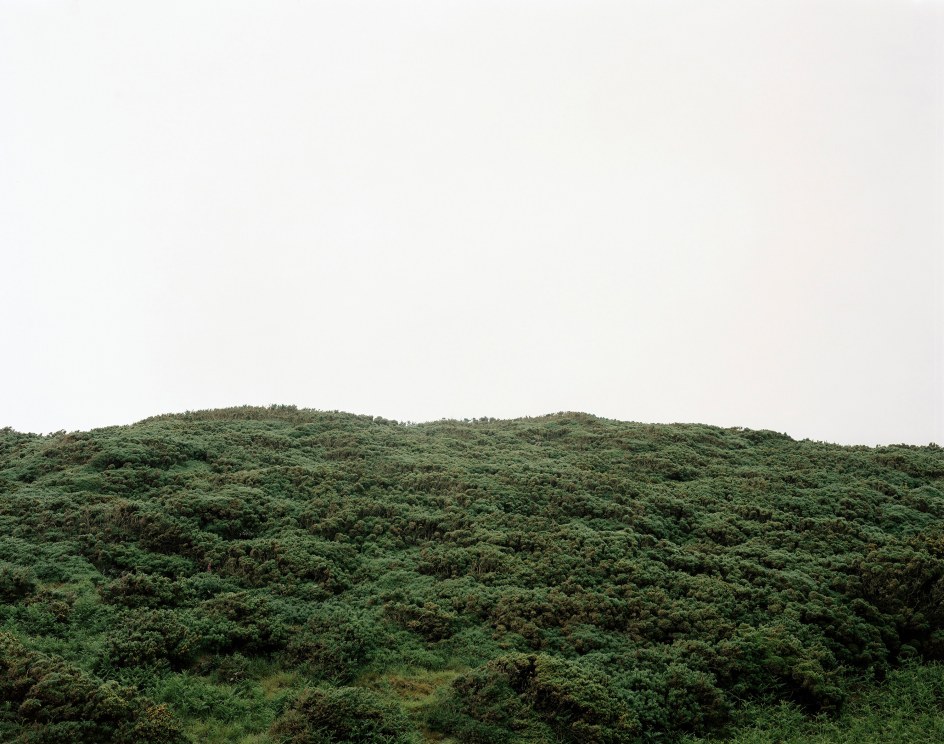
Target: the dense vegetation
pixel 278 575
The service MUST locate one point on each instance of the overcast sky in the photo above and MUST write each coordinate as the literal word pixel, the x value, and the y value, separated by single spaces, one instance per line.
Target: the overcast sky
pixel 718 212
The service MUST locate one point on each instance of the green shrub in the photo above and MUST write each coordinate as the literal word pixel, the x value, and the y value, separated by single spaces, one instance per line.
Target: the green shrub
pixel 241 621
pixel 150 637
pixel 344 715
pixel 16 582
pixel 578 703
pixel 143 590
pixel 43 700
pixel 336 643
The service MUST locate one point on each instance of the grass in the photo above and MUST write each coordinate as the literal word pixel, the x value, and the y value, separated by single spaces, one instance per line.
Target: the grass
pixel 416 690
pixel 217 712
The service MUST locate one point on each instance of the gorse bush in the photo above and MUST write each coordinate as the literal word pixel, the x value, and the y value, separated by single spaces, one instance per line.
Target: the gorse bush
pixel 46 700
pixel 261 575
pixel 335 643
pixel 16 582
pixel 576 702
pixel 343 715
pixel 144 637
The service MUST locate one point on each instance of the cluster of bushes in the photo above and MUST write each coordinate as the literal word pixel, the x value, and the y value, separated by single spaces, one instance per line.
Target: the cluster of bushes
pixel 572 578
pixel 45 700
pixel 343 715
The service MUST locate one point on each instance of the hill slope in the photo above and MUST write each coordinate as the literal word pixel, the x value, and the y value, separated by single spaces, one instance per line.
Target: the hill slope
pixel 278 575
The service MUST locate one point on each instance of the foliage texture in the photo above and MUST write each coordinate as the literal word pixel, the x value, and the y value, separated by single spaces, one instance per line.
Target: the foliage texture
pixel 284 575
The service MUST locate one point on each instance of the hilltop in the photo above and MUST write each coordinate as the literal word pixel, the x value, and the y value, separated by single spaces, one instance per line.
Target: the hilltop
pixel 280 575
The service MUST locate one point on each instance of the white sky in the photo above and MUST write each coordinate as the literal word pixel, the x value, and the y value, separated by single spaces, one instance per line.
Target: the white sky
pixel 722 212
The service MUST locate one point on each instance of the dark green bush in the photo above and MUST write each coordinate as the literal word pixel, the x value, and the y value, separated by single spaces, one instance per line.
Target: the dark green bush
pixel 143 590
pixel 243 622
pixel 150 637
pixel 343 715
pixel 335 644
pixel 428 619
pixel 16 582
pixel 578 703
pixel 46 701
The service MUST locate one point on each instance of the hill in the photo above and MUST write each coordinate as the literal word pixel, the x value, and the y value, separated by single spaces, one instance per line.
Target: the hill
pixel 282 575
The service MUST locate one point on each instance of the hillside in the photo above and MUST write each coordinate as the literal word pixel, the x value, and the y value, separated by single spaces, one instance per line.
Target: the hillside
pixel 280 575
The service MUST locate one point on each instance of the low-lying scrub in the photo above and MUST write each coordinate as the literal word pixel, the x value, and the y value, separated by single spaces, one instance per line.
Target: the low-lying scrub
pixel 265 575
